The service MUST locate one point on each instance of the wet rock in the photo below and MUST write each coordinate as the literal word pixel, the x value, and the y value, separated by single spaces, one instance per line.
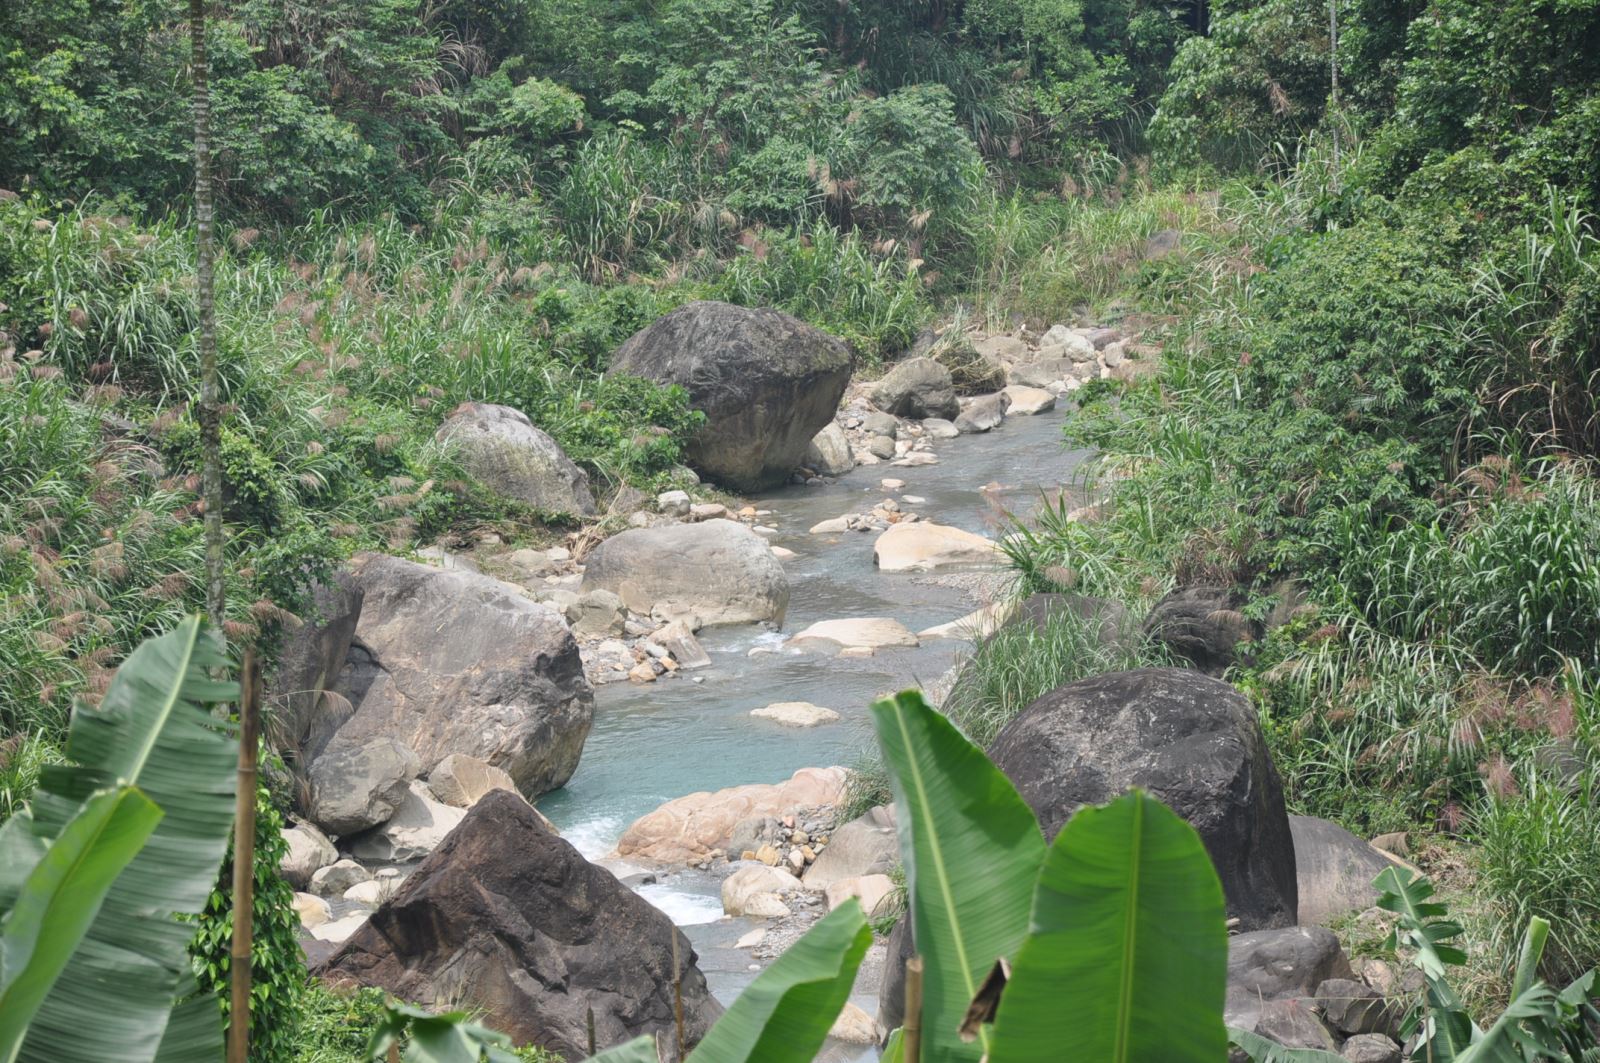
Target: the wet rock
pixel 766 382
pixel 510 917
pixel 983 413
pixel 917 387
pixel 871 632
pixel 796 714
pixel 679 643
pixel 927 547
pixel 718 572
pixel 688 829
pixel 500 447
pixel 458 662
pixel 1193 742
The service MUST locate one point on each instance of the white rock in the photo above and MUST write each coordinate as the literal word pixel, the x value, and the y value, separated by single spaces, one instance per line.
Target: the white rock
pixel 916 458
pixel 925 547
pixel 939 428
pixel 1026 400
pixel 871 632
pixel 752 939
pixel 796 714
pixel 340 929
pixel 889 483
pixel 767 906
pixel 913 500
pixel 368 894
pixel 415 830
pixel 975 625
pixel 783 553
pixel 673 503
pixel 309 851
pixel 312 910
pixel 831 526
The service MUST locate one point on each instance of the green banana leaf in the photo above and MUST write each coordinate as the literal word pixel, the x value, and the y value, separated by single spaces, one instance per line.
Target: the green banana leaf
pixel 785 1014
pixel 1261 1050
pixel 60 897
pixel 154 731
pixel 442 1037
pixel 972 850
pixel 1127 958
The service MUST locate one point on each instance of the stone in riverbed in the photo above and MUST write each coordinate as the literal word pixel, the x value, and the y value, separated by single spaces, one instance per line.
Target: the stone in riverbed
pixel 983 413
pixel 1028 400
pixel 340 930
pixel 923 546
pixel 867 845
pixel 312 910
pixel 917 387
pixel 460 781
pixel 308 851
pixel 975 625
pixel 829 452
pixel 337 877
pixel 718 572
pixel 1041 374
pixel 796 714
pixel 596 614
pixel 881 447
pixel 681 645
pixel 673 503
pixel 741 890
pixel 510 917
pixel 870 632
pixel 870 890
pixel 939 428
pixel 355 785
pixel 500 447
pixel 766 382
pixel 685 830
pixel 854 1026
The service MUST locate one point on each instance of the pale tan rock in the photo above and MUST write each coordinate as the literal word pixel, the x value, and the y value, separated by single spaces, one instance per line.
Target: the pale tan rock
pixel 871 632
pixel 831 526
pixel 1029 400
pixel 754 880
pixel 460 780
pixel 975 625
pixel 642 673
pixel 926 547
pixel 796 714
pixel 858 651
pixel 797 860
pixel 870 890
pixel 415 830
pixel 686 829
pixel 340 929
pixel 308 851
pixel 767 906
pixel 854 1026
pixel 708 511
pixel 768 855
pixel 752 939
pixel 312 910
pixel 368 894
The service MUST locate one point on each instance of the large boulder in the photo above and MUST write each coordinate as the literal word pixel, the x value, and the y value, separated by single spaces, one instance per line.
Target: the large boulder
pixel 353 785
pixel 1335 870
pixel 306 851
pixel 1202 625
pixel 766 382
pixel 922 546
pixel 687 829
pixel 461 781
pixel 862 632
pixel 715 572
pixel 417 827
pixel 1273 977
pixel 452 661
pixel 309 663
pixel 1193 742
pixel 508 917
pixel 917 387
pixel 501 448
pixel 865 846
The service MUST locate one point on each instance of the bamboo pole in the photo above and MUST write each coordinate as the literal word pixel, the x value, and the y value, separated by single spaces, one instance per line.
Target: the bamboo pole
pixel 244 846
pixel 911 1032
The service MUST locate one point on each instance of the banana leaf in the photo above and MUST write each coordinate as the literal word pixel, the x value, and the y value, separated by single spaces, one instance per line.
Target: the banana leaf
pixel 1127 957
pixel 972 850
pixel 56 903
pixel 1262 1050
pixel 154 730
pixel 785 1014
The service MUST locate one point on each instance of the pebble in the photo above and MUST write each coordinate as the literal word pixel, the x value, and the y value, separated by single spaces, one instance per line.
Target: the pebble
pixel 889 483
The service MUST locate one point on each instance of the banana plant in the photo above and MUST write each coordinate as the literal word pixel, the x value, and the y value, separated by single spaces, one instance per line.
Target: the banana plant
pixel 153 761
pixel 1115 934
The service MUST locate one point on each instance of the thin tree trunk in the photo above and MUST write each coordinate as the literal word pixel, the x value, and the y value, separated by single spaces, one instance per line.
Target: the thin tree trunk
pixel 911 1025
pixel 210 407
pixel 244 849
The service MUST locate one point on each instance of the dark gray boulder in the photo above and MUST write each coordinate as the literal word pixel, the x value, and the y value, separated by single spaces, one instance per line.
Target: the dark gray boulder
pixel 917 387
pixel 767 383
pixel 1203 625
pixel 309 663
pixel 506 916
pixel 1194 742
pixel 501 448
